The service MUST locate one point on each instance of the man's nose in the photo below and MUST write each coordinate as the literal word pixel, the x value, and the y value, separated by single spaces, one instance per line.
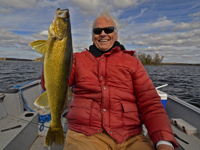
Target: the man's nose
pixel 103 33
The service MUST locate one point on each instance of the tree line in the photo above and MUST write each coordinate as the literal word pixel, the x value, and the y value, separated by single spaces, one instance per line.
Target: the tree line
pixel 148 60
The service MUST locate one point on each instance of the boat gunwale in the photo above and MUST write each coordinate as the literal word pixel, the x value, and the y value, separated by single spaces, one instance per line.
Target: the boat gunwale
pixel 178 100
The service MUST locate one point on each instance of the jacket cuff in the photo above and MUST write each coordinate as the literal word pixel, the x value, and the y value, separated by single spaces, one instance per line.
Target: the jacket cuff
pixel 164 136
pixel 164 142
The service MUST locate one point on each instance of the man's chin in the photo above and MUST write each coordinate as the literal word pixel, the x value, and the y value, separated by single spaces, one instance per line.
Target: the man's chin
pixel 104 49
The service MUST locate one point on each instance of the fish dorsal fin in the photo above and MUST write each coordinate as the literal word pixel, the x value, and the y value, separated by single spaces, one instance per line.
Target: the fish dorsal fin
pixel 40 46
pixel 42 101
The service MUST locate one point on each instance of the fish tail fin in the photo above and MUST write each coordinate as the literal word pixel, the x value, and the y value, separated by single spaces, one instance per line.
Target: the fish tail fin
pixel 54 135
pixel 40 46
pixel 42 101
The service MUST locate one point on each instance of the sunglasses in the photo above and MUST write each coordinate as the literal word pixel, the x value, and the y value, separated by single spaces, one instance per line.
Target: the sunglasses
pixel 107 30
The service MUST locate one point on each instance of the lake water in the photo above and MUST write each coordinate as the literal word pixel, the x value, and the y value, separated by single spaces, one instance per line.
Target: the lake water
pixel 14 73
pixel 183 81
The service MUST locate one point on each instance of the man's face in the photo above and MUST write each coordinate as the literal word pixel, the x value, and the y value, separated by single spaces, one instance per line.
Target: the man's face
pixel 104 41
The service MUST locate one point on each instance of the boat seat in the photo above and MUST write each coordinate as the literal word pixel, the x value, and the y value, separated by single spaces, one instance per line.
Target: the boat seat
pixel 14 130
pixel 193 140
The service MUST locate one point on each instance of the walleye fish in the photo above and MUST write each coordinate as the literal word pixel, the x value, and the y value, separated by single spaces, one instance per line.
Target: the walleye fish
pixel 57 67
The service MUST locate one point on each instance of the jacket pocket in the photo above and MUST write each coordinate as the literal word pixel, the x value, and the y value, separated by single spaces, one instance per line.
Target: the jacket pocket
pixel 130 113
pixel 79 112
pixel 129 106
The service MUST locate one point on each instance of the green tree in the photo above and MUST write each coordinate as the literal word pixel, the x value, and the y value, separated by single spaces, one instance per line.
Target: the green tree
pixel 149 60
pixel 157 60
pixel 142 58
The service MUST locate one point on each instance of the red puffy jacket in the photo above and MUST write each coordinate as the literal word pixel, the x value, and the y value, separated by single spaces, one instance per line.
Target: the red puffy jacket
pixel 110 92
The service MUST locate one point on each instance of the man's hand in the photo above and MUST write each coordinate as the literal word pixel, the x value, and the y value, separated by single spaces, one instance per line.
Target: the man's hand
pixel 164 147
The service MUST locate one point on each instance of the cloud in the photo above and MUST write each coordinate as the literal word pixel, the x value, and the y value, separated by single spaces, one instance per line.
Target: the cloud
pixel 196 5
pixel 166 51
pixel 132 17
pixel 190 38
pixel 162 22
pixel 134 28
pixel 159 48
pixel 79 46
pixel 6 10
pixel 195 14
pixel 19 4
pixel 16 46
pixel 125 3
pixel 93 6
pixel 9 39
pixel 6 36
pixel 41 35
pixel 88 6
pixel 186 26
pixel 47 3
pixel 45 33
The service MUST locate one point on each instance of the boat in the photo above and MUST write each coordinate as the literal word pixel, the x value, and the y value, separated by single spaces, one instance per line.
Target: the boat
pixel 24 126
pixel 179 109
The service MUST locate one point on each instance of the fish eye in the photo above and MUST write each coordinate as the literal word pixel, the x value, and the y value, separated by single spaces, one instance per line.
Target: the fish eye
pixel 66 18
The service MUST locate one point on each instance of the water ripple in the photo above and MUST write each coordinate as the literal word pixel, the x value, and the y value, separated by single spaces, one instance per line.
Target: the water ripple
pixel 18 72
pixel 183 81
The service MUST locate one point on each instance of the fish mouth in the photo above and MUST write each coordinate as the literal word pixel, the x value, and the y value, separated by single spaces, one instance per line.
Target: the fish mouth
pixel 63 14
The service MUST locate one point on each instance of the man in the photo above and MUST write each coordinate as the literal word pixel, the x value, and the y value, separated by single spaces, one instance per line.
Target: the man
pixel 113 97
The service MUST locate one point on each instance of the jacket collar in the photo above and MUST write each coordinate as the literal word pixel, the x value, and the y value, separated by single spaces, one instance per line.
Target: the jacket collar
pixel 97 53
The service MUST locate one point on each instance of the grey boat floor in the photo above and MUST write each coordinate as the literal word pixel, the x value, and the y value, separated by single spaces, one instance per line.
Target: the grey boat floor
pixel 193 140
pixel 39 145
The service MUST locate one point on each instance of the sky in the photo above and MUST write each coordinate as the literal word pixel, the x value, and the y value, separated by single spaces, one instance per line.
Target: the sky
pixel 168 27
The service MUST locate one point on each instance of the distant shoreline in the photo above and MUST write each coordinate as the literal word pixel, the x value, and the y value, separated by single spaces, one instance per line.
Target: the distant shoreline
pixel 19 59
pixel 183 64
pixel 15 59
pixel 41 60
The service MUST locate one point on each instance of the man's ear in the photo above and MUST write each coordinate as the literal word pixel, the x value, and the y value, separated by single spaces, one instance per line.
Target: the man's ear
pixel 92 37
pixel 116 36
